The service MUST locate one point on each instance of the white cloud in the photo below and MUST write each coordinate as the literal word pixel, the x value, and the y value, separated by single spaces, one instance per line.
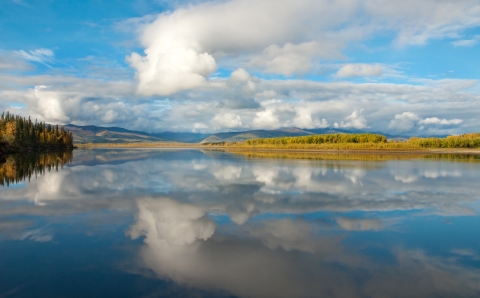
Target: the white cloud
pixel 239 75
pixel 360 70
pixel 355 120
pixel 49 105
pixel 293 59
pixel 227 120
pixel 109 116
pixel 466 42
pixel 259 104
pixel 38 55
pixel 267 118
pixel 171 70
pixel 12 61
pixel 404 122
pixel 199 127
pixel 304 119
pixel 183 47
pixel 437 121
pixel 407 121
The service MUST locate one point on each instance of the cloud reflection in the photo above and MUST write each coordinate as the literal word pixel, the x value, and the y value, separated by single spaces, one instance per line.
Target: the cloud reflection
pixel 286 258
pixel 285 226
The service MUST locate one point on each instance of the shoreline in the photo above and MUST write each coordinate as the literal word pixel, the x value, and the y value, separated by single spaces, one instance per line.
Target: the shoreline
pixel 287 150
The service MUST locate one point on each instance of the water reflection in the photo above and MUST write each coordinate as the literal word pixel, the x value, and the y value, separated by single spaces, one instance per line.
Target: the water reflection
pixel 288 258
pixel 18 167
pixel 258 226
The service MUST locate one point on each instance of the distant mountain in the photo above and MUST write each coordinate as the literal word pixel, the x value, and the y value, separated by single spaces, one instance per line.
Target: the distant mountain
pixel 185 137
pixel 253 134
pixel 96 134
pixel 282 132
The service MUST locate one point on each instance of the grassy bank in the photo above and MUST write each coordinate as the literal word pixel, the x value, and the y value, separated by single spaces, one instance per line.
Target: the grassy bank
pixel 327 142
pixel 359 142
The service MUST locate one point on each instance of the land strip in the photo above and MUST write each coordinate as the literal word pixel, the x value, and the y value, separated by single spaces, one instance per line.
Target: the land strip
pixel 312 149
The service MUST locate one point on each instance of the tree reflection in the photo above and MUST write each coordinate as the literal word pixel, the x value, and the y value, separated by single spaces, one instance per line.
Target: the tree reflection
pixel 373 156
pixel 19 167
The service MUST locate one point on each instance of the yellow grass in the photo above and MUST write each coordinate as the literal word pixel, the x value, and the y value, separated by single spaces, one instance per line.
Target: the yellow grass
pixel 391 146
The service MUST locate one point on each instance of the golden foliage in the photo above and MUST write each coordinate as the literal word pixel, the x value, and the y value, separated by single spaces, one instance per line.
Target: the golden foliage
pixel 22 134
pixel 359 142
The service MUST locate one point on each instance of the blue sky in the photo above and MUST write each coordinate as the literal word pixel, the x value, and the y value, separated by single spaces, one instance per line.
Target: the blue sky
pixel 205 66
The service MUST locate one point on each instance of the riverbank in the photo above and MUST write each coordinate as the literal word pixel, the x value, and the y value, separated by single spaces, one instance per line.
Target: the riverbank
pixel 343 148
pixel 329 142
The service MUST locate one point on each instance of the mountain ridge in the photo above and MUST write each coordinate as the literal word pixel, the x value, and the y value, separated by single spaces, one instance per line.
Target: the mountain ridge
pixel 99 134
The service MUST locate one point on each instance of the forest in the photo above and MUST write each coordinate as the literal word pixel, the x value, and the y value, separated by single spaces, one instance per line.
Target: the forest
pixel 18 134
pixel 322 139
pixel 362 141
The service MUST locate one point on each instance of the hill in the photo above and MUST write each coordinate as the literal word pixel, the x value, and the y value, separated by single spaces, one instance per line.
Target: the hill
pixel 282 132
pixel 96 134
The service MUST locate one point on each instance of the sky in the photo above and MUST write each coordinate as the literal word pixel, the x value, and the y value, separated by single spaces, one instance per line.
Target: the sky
pixel 403 67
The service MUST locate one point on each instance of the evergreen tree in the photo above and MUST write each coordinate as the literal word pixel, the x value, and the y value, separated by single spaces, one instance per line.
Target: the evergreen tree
pixel 26 135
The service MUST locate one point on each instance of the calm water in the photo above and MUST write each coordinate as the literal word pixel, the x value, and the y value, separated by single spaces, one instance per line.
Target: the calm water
pixel 192 223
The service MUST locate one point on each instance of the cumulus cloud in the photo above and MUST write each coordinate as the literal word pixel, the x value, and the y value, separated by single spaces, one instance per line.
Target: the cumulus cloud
pixel 177 88
pixel 407 121
pixel 304 119
pixel 355 120
pixel 437 121
pixel 49 105
pixel 171 70
pixel 260 104
pixel 227 120
pixel 359 70
pixel 182 47
pixel 239 75
pixel 404 122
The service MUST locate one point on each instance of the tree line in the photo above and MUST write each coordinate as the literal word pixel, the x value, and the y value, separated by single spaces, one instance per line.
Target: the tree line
pixel 336 138
pixel 361 141
pixel 22 134
pixel 470 140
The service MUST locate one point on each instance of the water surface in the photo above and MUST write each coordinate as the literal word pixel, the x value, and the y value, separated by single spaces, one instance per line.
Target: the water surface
pixel 192 223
